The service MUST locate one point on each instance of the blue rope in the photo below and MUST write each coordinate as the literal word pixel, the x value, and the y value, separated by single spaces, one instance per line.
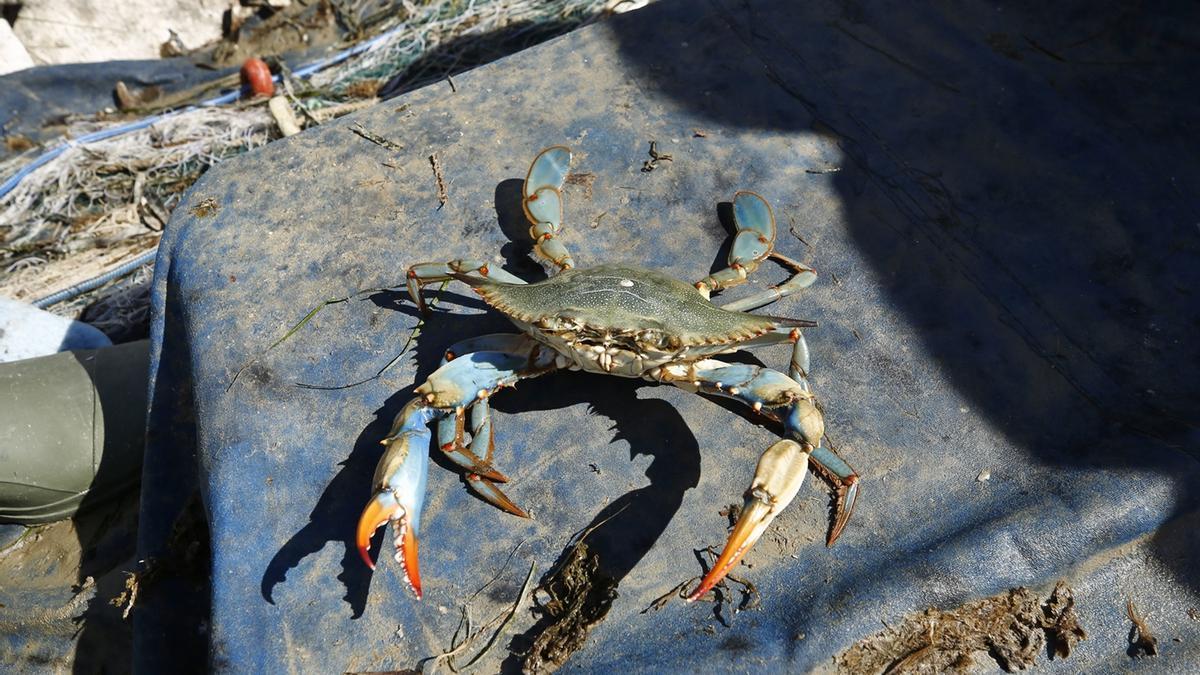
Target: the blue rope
pixel 95 282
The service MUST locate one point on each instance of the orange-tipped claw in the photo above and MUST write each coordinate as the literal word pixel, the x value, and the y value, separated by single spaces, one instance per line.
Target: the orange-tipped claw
pixel 378 512
pixel 406 553
pixel 382 508
pixel 781 471
pixel 750 526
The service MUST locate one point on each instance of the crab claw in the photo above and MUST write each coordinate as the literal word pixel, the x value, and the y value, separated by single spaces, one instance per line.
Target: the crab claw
pixel 780 472
pixel 382 508
pixel 400 491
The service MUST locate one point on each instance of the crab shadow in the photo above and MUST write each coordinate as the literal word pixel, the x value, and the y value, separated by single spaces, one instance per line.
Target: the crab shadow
pixel 1009 201
pixel 651 427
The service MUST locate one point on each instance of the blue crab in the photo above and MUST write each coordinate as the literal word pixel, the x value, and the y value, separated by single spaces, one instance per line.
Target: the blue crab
pixel 617 319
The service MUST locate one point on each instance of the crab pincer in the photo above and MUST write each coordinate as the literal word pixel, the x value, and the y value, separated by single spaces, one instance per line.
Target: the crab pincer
pixel 399 482
pixel 400 490
pixel 780 473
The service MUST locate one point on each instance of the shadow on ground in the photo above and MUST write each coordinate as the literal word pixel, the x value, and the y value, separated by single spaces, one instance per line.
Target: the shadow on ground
pixel 1022 181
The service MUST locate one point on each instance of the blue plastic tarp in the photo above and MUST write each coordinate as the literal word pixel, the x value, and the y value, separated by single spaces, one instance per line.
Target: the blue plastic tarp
pixel 1002 205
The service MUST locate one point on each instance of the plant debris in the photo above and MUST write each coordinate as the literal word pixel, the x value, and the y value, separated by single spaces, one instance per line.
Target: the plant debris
pixel 732 511
pixel 661 601
pixel 1141 641
pixel 580 596
pixel 187 555
pixel 1012 627
pixel 205 208
pixel 436 163
pixel 469 638
pixel 721 594
pixel 586 180
pixel 377 139
pixel 18 143
pixel 655 157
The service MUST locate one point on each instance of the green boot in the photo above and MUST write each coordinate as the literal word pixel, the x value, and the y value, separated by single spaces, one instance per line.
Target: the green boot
pixel 72 429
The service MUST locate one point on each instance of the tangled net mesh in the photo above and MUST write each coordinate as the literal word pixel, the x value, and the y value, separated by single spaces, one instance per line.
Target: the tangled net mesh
pixel 97 206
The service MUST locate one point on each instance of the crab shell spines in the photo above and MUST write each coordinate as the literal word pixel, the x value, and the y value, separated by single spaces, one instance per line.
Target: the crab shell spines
pixel 626 303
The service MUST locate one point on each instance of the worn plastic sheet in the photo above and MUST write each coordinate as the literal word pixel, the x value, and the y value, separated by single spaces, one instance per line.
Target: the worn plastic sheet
pixel 1002 206
pixel 34 101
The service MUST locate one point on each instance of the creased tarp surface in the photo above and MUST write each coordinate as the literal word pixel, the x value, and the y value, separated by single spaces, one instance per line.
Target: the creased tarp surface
pixel 1002 205
pixel 35 98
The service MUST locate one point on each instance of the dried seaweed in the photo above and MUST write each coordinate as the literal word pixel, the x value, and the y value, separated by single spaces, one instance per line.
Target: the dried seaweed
pixel 580 595
pixel 1011 627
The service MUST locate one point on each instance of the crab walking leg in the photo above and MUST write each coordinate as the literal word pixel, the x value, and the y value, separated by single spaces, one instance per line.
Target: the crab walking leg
pixel 421 274
pixel 753 243
pixel 484 484
pixel 451 428
pixel 782 468
pixel 799 363
pixel 802 277
pixel 798 366
pixel 399 482
pixel 480 475
pixel 835 470
pixel 543 204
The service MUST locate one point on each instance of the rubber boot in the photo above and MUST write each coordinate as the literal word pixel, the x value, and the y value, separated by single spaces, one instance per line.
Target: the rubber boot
pixel 72 430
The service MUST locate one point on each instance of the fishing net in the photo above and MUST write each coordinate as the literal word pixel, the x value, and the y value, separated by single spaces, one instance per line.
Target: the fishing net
pixel 99 205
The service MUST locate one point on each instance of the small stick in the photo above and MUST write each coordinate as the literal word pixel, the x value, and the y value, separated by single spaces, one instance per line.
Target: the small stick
pixel 281 110
pixel 588 530
pixel 796 234
pixel 503 624
pixel 655 157
pixel 454 650
pixel 1141 640
pixel 376 138
pixel 662 600
pixel 288 79
pixel 333 111
pixel 436 163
